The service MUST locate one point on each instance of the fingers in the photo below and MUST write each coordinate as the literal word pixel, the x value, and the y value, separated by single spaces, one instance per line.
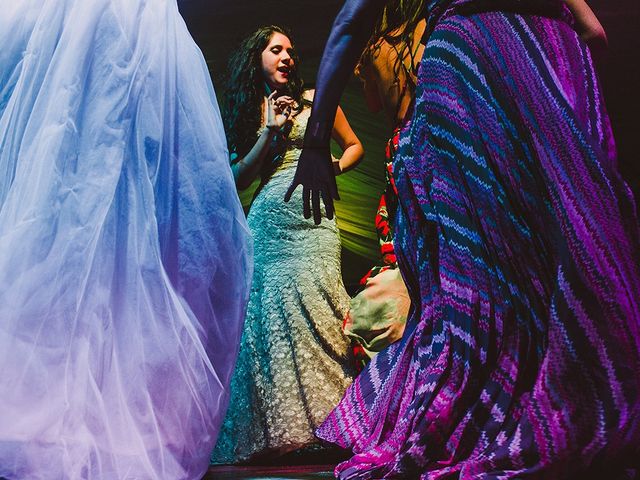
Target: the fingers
pixel 306 207
pixel 282 108
pixel 328 204
pixel 333 191
pixel 311 202
pixel 286 111
pixel 271 107
pixel 315 206
pixel 285 99
pixel 284 103
pixel 292 187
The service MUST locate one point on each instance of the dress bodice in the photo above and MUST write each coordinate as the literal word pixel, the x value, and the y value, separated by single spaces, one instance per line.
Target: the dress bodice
pixel 298 126
pixel 293 139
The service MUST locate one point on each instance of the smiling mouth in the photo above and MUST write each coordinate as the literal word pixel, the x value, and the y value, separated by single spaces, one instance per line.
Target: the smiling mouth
pixel 284 70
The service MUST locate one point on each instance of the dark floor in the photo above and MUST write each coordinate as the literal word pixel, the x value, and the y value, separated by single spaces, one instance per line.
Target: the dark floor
pixel 313 462
pixel 299 472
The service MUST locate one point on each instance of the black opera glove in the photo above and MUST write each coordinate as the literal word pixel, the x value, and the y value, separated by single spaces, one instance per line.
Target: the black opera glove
pixel 315 172
pixel 349 35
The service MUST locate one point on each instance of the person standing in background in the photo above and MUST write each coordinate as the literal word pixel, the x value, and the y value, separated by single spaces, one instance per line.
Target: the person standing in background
pixel 294 362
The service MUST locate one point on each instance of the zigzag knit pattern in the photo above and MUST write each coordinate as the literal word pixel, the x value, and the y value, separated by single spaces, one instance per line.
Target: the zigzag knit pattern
pixel 518 241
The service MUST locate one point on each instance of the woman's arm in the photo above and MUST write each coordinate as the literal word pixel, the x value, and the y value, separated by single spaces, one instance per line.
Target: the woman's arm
pixel 245 169
pixel 352 150
pixel 587 24
pixel 349 34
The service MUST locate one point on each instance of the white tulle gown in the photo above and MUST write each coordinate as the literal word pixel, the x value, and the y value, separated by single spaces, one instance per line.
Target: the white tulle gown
pixel 124 253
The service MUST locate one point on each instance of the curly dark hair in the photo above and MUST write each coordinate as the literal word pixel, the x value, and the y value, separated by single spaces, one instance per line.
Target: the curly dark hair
pixel 243 100
pixel 396 26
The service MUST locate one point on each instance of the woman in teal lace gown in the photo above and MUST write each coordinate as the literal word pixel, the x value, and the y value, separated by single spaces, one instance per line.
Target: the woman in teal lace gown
pixel 294 362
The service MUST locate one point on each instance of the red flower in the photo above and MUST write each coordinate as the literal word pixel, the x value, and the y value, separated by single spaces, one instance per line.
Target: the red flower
pixel 387 248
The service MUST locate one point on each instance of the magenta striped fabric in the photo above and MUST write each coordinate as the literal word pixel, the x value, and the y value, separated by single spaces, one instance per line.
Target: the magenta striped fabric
pixel 518 241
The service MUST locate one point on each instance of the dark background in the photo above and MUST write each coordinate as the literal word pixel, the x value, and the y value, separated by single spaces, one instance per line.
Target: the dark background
pixel 219 26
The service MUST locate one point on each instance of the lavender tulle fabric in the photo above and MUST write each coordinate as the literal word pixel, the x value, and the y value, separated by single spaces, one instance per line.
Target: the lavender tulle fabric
pixel 125 258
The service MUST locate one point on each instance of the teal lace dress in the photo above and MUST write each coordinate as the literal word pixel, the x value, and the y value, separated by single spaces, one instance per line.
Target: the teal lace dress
pixel 294 362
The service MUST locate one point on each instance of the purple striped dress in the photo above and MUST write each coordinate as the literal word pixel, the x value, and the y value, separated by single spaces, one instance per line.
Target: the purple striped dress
pixel 519 244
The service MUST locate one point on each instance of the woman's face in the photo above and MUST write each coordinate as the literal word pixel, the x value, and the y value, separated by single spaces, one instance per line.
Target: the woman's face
pixel 277 63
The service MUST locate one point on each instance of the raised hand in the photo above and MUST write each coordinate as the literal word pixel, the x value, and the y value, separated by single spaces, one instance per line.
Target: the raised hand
pixel 278 110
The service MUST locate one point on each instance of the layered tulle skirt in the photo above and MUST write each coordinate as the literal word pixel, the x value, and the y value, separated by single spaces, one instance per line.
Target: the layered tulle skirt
pixel 124 253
